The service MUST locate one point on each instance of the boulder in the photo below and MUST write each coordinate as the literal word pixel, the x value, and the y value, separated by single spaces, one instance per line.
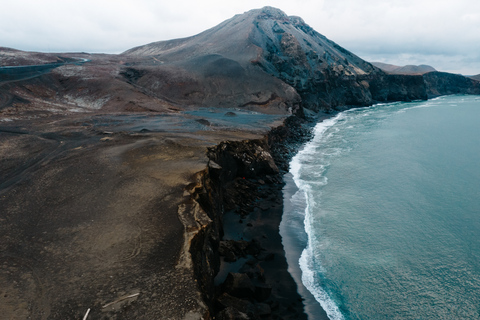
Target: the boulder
pixel 239 285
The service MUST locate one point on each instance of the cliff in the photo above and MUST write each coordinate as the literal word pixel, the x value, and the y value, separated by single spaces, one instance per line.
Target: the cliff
pixel 442 83
pixel 243 179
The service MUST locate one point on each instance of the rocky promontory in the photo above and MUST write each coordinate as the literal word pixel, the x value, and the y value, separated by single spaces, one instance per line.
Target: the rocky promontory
pixel 147 185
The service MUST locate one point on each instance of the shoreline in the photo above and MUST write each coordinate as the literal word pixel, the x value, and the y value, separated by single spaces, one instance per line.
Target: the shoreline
pixel 253 277
pixel 293 233
pixel 294 244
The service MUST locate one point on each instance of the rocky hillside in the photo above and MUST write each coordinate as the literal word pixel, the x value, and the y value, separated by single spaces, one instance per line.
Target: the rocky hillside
pixel 258 43
pixel 408 69
pixel 442 83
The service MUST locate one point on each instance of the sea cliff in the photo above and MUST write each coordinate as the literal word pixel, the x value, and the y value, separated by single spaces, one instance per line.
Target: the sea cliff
pixel 242 185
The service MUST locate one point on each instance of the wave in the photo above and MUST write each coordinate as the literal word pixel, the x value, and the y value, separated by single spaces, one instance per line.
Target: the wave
pixel 332 138
pixel 308 170
pixel 299 164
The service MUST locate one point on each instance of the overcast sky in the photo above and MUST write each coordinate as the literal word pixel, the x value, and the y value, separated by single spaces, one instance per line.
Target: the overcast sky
pixel 441 33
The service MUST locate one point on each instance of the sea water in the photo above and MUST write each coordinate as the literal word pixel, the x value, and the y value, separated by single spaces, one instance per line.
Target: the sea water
pixel 387 209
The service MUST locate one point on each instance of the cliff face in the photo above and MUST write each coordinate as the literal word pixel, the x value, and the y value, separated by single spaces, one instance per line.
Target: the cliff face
pixel 442 83
pixel 238 174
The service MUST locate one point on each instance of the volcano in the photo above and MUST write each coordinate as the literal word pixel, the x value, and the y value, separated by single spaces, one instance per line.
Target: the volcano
pixel 262 60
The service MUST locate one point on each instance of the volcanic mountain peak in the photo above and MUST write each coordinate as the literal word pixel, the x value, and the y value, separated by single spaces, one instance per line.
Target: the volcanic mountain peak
pixel 245 50
pixel 269 12
pixel 265 37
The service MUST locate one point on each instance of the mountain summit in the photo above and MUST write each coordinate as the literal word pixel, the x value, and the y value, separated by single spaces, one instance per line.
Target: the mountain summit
pixel 267 37
pixel 267 41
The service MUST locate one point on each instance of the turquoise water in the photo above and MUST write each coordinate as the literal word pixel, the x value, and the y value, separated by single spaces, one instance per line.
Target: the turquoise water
pixel 390 200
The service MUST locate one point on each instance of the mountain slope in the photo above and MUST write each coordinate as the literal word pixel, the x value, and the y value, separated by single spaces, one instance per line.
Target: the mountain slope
pixel 477 77
pixel 265 42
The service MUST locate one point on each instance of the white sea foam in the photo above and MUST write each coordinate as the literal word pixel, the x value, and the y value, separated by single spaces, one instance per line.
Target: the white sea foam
pixel 309 175
pixel 333 139
pixel 301 164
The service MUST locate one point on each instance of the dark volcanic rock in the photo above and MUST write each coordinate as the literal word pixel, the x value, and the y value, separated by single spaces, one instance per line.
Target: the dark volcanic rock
pixel 230 313
pixel 442 83
pixel 232 250
pixel 398 88
pixel 239 285
pixel 243 306
pixel 245 159
pixel 262 292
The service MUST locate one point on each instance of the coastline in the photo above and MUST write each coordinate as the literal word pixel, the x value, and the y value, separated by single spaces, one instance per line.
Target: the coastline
pixel 253 278
pixel 294 240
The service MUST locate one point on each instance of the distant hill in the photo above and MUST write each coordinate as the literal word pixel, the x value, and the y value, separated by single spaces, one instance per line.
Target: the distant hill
pixel 408 69
pixel 477 77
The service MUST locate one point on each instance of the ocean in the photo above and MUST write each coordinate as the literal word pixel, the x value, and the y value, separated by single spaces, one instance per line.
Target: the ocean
pixel 382 212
